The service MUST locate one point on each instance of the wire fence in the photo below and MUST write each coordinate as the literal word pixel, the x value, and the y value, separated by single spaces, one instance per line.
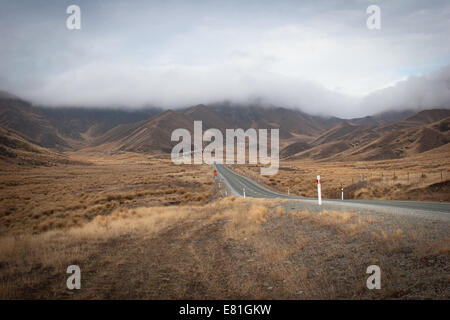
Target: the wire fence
pixel 390 179
pixel 304 183
pixel 402 177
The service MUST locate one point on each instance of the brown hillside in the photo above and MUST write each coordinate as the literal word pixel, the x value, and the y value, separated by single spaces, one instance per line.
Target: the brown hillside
pixel 149 136
pixel 323 151
pixel 154 135
pixel 301 135
pixel 343 131
pixel 294 148
pixel 350 141
pixel 404 142
pixel 20 116
pixel 428 116
pixel 16 150
pixel 288 121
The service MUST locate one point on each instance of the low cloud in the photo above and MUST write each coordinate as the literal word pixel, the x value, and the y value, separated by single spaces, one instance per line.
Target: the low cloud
pixel 413 93
pixel 317 56
pixel 174 87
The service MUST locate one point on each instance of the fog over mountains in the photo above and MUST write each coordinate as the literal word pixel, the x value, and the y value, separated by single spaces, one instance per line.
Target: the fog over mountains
pixel 190 88
pixel 414 93
pixel 391 135
pixel 315 56
pixel 135 71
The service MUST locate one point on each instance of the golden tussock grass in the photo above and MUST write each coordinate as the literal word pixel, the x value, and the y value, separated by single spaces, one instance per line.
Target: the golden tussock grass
pixel 38 199
pixel 57 249
pixel 245 224
pixel 400 179
pixel 344 221
pixel 144 228
pixel 260 251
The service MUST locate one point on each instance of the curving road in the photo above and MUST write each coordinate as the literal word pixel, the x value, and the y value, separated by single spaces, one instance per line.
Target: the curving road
pixel 236 183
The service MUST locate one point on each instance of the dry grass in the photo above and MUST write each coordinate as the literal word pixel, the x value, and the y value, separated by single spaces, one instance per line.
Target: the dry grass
pixel 229 248
pixel 414 178
pixel 244 225
pixel 52 251
pixel 141 227
pixel 38 199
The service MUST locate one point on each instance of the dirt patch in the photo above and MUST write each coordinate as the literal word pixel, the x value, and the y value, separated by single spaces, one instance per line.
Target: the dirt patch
pixel 232 249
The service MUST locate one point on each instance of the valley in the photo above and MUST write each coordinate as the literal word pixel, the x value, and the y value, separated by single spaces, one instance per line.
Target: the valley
pixel 99 190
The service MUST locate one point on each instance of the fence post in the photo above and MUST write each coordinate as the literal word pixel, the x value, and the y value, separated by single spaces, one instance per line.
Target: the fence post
pixel 319 195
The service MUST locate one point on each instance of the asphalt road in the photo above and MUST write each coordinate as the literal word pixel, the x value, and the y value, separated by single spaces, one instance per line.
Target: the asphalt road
pixel 236 183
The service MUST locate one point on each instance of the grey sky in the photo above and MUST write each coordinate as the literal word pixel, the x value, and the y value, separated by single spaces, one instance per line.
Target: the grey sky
pixel 314 55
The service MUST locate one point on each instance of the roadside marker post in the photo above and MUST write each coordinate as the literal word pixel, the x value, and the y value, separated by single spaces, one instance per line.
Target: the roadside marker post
pixel 243 189
pixel 319 191
pixel 342 194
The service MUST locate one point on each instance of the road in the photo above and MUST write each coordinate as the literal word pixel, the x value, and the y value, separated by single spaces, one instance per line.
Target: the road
pixel 236 183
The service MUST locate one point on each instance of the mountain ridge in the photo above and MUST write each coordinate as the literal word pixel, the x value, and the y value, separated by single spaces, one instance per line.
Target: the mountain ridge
pixel 383 136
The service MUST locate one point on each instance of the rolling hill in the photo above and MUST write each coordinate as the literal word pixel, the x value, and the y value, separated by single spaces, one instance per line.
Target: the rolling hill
pixel 17 150
pixel 390 135
pixel 63 129
pixel 349 140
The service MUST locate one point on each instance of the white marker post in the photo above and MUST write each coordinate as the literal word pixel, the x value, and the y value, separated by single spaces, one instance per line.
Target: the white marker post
pixel 342 194
pixel 243 189
pixel 319 193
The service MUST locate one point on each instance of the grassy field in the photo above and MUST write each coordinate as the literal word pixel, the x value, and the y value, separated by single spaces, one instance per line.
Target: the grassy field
pixel 40 198
pixel 231 249
pixel 140 227
pixel 424 177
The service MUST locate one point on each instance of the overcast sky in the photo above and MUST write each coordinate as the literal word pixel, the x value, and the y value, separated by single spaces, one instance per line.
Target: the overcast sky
pixel 315 55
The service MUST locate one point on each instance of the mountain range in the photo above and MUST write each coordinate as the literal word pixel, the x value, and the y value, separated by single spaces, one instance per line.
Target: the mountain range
pixel 390 135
